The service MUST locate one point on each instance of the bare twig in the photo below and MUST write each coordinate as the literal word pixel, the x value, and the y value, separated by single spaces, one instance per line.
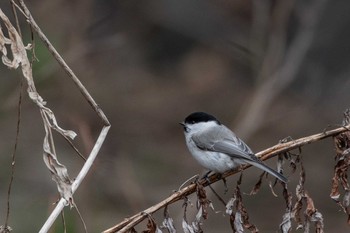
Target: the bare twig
pixel 13 163
pixel 64 65
pixel 59 172
pixel 73 147
pixel 129 223
pixel 13 7
pixel 81 218
pixel 60 205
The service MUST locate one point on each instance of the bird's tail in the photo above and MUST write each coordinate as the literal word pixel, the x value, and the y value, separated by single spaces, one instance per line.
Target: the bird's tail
pixel 267 169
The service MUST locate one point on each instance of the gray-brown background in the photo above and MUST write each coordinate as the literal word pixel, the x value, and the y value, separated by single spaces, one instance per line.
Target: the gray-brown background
pixel 267 69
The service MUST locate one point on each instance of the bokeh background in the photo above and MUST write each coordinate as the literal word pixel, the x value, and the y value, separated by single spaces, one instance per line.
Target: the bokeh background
pixel 267 69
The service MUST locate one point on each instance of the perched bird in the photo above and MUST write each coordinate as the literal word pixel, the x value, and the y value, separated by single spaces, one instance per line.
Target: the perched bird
pixel 217 148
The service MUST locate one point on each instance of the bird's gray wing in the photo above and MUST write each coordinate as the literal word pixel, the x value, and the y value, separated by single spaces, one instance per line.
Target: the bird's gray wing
pixel 221 139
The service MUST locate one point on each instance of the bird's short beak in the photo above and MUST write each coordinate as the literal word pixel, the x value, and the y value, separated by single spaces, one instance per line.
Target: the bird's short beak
pixel 184 126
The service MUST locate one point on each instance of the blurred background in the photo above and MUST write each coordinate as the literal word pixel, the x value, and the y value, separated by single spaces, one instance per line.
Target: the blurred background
pixel 267 69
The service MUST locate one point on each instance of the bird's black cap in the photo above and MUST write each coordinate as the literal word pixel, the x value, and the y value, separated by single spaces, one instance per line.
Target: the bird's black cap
pixel 197 117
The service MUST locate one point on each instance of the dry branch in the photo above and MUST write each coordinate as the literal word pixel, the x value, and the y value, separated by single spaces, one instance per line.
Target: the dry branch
pixel 129 223
pixel 61 61
pixel 20 59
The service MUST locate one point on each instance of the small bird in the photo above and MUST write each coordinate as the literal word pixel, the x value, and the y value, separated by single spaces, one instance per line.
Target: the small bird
pixel 217 148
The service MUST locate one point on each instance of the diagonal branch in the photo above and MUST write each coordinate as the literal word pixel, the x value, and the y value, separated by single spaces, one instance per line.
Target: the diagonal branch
pixel 268 153
pixel 61 204
pixel 20 58
pixel 64 65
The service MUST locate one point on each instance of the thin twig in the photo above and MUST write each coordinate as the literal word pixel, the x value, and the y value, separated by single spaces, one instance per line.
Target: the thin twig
pixel 13 163
pixel 91 101
pixel 81 218
pixel 217 195
pixel 64 222
pixel 13 7
pixel 128 223
pixel 18 8
pixel 73 147
pixel 64 65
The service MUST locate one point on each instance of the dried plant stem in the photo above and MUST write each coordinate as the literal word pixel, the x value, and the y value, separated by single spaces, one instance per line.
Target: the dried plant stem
pixel 50 150
pixel 64 65
pixel 62 203
pixel 13 163
pixel 128 223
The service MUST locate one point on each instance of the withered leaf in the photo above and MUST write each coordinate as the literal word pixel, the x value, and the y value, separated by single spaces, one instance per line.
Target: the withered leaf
pixel 238 223
pixel 203 202
pixel 20 59
pixel 313 215
pixel 5 229
pixel 194 227
pixel 346 198
pixel 257 186
pixel 186 227
pixel 239 218
pixel 286 225
pixel 230 206
pixel 168 223
pixel 151 226
pixel 340 177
